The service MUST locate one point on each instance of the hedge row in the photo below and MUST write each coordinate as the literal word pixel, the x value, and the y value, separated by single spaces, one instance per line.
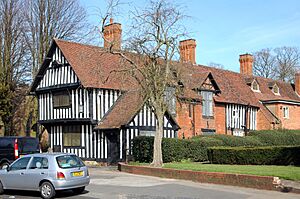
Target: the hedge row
pixel 271 155
pixel 195 149
pixel 174 150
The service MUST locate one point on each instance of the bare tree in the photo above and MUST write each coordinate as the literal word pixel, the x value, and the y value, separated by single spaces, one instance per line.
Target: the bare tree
pixel 46 19
pixel 14 70
pixel 264 63
pixel 287 62
pixel 153 43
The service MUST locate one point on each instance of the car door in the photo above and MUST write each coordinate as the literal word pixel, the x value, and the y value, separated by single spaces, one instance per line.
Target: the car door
pixel 36 172
pixel 14 177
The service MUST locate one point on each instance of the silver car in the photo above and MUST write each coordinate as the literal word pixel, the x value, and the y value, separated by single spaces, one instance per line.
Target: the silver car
pixel 47 173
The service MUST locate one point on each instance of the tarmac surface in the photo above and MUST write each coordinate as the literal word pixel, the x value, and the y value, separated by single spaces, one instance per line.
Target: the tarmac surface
pixel 108 183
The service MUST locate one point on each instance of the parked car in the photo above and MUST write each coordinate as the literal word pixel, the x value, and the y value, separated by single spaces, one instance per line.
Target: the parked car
pixel 13 147
pixel 47 173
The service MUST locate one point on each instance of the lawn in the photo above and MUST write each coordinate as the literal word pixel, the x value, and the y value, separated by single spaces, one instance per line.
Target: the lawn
pixel 283 172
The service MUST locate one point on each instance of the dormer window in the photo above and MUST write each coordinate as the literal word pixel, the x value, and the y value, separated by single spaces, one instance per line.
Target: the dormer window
pixel 255 86
pixel 275 90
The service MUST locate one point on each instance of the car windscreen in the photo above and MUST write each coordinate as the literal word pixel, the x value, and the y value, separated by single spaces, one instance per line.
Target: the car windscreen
pixel 27 145
pixel 69 161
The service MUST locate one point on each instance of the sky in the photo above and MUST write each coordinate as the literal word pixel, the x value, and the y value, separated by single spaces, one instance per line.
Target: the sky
pixel 224 29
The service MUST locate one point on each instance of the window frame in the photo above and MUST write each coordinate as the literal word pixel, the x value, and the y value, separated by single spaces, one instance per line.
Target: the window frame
pixel 276 93
pixel 286 112
pixel 32 167
pixel 11 166
pixel 207 104
pixel 67 131
pixel 55 95
pixel 252 87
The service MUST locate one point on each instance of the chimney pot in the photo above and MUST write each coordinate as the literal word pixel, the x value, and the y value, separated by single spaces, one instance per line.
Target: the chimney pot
pixel 188 50
pixel 246 64
pixel 112 35
pixel 297 83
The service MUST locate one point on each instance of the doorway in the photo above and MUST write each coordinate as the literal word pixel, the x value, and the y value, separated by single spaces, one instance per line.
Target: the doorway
pixel 113 146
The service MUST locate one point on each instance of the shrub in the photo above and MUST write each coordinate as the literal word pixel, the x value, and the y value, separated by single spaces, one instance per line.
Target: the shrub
pixel 174 150
pixel 267 155
pixel 277 138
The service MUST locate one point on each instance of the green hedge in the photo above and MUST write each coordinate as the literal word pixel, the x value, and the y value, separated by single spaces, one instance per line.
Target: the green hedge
pixel 268 155
pixel 277 138
pixel 195 149
pixel 174 150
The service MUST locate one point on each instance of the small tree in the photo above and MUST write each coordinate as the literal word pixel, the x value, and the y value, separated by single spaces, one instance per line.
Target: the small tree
pixel 153 43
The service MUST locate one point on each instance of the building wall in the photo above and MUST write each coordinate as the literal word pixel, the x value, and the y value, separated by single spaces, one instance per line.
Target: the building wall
pixel 220 118
pixel 292 122
pixel 262 122
pixel 190 124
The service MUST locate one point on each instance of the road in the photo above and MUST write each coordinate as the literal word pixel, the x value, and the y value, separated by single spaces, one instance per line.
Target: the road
pixel 107 183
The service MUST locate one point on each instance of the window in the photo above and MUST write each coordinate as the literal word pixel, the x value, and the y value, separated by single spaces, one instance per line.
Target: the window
pixel 61 99
pixel 39 163
pixel 208 131
pixel 72 136
pixel 285 112
pixel 207 106
pixel 255 86
pixel 69 161
pixel 170 99
pixel 147 133
pixel 20 164
pixel 275 90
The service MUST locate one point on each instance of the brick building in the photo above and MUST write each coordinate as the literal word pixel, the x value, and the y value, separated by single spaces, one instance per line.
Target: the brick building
pixel 90 112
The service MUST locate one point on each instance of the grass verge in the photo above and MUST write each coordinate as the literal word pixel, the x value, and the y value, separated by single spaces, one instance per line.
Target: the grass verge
pixel 283 172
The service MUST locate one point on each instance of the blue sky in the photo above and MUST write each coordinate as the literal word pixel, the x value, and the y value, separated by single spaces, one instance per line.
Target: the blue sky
pixel 224 29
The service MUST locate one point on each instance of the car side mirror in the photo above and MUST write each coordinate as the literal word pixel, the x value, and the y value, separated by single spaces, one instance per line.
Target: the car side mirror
pixel 6 167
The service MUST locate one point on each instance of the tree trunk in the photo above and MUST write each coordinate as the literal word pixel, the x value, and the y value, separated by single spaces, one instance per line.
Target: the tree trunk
pixel 157 149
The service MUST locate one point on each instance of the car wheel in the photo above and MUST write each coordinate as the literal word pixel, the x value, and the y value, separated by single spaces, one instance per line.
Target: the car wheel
pixel 4 164
pixel 1 188
pixel 78 190
pixel 47 190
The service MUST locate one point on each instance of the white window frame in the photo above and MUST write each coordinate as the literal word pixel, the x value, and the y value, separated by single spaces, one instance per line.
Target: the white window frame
pixel 255 90
pixel 286 111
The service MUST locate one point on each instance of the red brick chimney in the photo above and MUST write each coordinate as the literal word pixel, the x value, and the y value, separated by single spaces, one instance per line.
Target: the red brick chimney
pixel 188 50
pixel 246 62
pixel 112 34
pixel 297 83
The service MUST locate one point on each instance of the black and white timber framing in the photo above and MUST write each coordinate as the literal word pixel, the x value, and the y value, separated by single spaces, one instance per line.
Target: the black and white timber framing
pixel 87 107
pixel 236 117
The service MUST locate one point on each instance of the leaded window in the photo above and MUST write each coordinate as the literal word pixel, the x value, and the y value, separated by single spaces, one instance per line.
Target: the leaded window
pixel 61 99
pixel 72 136
pixel 207 103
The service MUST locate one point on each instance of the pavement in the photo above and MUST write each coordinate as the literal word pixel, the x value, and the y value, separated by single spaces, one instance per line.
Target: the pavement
pixel 108 183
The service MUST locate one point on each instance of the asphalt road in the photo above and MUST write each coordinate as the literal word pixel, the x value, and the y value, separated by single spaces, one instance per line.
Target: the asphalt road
pixel 107 183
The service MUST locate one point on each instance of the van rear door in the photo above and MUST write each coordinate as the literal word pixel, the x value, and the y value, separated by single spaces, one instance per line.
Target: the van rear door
pixel 28 145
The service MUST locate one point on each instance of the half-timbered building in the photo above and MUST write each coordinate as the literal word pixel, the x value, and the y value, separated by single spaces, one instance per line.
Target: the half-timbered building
pixel 88 110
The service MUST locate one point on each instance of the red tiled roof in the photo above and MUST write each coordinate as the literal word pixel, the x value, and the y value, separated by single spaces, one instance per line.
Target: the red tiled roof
pixel 95 67
pixel 123 111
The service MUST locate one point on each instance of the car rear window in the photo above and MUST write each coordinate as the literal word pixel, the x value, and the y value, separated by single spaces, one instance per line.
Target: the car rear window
pixel 69 161
pixel 28 145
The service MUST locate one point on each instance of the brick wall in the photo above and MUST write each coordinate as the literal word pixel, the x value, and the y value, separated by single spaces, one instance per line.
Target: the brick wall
pixel 262 122
pixel 220 116
pixel 292 122
pixel 189 122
